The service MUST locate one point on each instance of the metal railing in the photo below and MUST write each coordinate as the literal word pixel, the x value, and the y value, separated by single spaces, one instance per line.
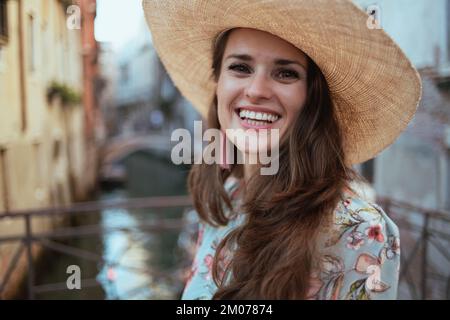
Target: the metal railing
pixel 47 239
pixel 425 242
pixel 425 250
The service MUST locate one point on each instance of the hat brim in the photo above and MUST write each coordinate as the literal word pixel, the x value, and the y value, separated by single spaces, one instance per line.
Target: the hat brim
pixel 374 86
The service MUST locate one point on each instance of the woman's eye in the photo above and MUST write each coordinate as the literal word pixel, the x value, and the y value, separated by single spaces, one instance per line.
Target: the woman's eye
pixel 288 74
pixel 239 68
pixel 283 74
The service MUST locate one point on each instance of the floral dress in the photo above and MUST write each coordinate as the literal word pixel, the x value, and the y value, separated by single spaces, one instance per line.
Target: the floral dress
pixel 359 259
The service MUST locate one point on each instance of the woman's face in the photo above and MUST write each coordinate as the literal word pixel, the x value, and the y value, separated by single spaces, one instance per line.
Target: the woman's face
pixel 262 82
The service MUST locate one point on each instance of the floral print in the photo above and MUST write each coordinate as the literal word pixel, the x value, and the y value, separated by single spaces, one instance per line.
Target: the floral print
pixel 375 232
pixel 359 258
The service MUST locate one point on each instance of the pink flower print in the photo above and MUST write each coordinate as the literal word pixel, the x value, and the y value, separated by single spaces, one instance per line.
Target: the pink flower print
pixel 355 240
pixel 375 232
pixel 111 274
pixel 364 261
pixel 347 202
pixel 208 261
pixel 371 266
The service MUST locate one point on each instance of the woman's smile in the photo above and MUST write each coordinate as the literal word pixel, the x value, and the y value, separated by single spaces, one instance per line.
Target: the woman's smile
pixel 262 82
pixel 257 118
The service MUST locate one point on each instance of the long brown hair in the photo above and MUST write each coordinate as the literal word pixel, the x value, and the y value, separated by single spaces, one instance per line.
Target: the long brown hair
pixel 275 249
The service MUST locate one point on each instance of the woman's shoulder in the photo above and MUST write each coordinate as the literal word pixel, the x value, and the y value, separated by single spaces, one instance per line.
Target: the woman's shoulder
pixel 355 212
pixel 361 256
pixel 361 203
pixel 359 224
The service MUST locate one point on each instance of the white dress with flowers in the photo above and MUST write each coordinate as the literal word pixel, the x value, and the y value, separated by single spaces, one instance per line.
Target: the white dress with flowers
pixel 360 257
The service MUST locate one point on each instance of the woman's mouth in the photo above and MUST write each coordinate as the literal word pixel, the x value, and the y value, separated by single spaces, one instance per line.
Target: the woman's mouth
pixel 257 119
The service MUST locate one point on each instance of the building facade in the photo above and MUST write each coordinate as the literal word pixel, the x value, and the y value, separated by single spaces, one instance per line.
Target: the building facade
pixel 47 109
pixel 416 168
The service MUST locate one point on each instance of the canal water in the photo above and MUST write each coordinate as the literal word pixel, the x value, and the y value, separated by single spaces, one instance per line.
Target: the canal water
pixel 140 265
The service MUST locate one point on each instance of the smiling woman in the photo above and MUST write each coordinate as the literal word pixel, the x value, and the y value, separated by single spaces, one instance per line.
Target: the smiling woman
pixel 303 232
pixel 260 85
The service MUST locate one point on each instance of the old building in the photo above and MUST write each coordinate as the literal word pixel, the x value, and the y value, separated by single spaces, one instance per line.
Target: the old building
pixel 415 169
pixel 48 112
pixel 146 100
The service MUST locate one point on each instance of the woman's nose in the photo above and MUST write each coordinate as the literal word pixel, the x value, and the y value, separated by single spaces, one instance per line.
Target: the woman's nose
pixel 259 87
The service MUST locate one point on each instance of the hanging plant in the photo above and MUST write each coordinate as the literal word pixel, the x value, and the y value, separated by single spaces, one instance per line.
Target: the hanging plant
pixel 67 95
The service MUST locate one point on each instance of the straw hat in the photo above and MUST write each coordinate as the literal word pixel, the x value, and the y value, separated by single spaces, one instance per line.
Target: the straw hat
pixel 374 87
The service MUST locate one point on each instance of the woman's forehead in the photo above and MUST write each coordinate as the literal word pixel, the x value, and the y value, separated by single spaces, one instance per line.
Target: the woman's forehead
pixel 262 44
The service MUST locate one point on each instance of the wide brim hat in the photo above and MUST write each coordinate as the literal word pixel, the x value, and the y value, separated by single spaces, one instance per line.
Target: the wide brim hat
pixel 374 87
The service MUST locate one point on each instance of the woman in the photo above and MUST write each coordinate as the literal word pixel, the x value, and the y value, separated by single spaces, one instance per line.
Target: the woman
pixel 338 93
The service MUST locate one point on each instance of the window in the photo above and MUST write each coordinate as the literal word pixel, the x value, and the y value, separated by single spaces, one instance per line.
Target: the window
pixel 31 43
pixel 56 149
pixel 3 22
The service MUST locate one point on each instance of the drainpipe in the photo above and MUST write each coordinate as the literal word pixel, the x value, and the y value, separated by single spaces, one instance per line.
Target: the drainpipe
pixel 4 182
pixel 22 75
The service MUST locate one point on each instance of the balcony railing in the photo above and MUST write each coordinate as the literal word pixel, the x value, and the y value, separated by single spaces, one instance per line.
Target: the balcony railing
pixel 49 239
pixel 425 250
pixel 425 242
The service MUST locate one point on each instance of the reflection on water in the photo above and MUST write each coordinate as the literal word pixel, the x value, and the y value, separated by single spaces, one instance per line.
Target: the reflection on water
pixel 138 264
pixel 143 265
pixel 128 274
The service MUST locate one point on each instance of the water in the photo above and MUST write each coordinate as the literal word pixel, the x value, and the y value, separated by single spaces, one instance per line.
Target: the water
pixel 138 264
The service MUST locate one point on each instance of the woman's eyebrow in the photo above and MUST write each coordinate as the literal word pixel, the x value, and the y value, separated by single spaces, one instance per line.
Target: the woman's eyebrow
pixel 278 61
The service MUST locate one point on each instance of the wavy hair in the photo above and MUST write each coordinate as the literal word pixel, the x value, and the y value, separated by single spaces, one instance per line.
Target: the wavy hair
pixel 275 251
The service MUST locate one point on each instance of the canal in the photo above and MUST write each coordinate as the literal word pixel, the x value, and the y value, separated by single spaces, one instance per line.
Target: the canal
pixel 141 265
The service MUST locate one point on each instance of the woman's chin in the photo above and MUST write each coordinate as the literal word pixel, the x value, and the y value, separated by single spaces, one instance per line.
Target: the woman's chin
pixel 253 155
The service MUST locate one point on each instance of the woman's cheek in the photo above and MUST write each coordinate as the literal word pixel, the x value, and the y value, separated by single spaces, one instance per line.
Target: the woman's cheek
pixel 224 114
pixel 225 104
pixel 222 117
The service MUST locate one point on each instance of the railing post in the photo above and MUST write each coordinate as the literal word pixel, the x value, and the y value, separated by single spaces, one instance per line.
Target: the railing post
pixel 424 255
pixel 28 244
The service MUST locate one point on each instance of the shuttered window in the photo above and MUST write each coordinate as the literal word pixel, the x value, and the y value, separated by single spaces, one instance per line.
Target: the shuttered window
pixel 3 22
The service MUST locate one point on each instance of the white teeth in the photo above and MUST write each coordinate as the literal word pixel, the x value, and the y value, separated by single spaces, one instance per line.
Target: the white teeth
pixel 256 123
pixel 258 116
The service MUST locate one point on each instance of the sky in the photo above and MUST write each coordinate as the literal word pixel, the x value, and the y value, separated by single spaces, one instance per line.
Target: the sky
pixel 117 20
